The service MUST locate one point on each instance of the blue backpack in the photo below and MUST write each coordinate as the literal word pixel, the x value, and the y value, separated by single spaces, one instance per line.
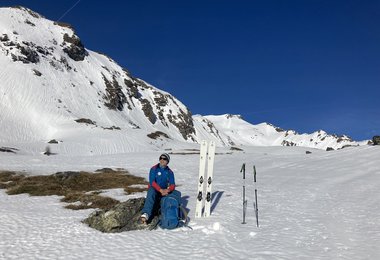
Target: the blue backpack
pixel 170 210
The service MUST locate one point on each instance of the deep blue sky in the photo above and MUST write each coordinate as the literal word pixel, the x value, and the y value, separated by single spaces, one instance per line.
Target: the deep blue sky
pixel 298 64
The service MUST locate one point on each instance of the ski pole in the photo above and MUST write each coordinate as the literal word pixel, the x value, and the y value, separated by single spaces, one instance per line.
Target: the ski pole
pixel 255 203
pixel 244 200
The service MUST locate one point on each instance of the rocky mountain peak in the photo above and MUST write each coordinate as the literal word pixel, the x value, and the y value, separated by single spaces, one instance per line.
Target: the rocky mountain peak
pixel 228 116
pixel 54 88
pixel 27 11
pixel 56 55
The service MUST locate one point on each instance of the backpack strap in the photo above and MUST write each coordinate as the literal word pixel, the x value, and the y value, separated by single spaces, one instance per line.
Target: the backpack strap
pixel 184 213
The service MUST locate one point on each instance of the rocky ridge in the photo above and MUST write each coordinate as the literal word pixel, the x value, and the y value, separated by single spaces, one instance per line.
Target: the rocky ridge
pixel 47 61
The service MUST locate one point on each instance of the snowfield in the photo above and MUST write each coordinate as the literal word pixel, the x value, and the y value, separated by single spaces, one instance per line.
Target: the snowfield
pixel 94 114
pixel 323 205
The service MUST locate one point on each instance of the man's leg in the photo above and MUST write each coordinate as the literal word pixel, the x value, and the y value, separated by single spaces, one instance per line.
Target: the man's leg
pixel 150 201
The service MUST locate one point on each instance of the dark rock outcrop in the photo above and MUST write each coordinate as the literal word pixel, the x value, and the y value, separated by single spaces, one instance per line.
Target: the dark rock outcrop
pixel 148 111
pixel 115 98
pixel 114 95
pixel 28 55
pixel 4 38
pixel 157 135
pixel 85 121
pixel 29 22
pixel 184 123
pixel 376 140
pixel 212 129
pixel 76 50
pixel 65 25
pixel 134 92
pixel 32 13
pixel 8 149
pixel 122 217
pixel 288 143
pixel 37 73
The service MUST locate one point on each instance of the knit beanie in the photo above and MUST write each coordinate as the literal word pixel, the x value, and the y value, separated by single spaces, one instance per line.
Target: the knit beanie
pixel 165 155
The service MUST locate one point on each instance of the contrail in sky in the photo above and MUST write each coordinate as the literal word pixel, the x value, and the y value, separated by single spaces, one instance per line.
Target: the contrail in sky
pixel 71 8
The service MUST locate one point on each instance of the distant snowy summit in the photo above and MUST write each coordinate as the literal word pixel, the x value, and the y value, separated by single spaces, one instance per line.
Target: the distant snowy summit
pixel 52 87
pixel 232 130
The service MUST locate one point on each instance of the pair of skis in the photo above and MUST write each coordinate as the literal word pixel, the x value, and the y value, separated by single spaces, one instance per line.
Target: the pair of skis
pixel 245 201
pixel 207 154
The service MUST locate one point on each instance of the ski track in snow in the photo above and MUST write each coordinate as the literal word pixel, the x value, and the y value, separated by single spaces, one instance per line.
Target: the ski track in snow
pixel 318 206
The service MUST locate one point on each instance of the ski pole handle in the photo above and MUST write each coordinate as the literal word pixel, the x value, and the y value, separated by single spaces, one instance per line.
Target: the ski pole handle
pixel 243 170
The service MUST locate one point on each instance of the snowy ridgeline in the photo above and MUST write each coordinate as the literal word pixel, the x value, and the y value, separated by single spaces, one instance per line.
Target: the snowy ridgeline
pixel 318 205
pixel 53 88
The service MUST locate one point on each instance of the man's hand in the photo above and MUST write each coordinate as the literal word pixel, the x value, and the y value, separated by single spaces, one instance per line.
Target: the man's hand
pixel 164 192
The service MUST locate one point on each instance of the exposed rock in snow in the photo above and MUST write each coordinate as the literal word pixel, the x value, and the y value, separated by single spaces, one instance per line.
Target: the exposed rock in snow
pixel 123 217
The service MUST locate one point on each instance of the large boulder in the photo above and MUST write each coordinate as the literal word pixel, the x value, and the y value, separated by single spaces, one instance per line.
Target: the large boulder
pixel 124 216
pixel 376 140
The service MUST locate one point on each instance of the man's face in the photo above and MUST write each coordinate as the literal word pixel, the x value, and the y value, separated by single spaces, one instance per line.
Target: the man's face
pixel 163 162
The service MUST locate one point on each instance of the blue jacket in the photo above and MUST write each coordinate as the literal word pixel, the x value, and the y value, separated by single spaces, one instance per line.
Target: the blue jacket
pixel 161 178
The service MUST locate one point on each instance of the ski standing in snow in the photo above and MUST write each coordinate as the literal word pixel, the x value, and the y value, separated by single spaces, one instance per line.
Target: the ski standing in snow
pixel 207 154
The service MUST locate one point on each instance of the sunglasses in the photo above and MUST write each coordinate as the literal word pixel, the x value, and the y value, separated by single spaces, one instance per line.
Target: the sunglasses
pixel 163 158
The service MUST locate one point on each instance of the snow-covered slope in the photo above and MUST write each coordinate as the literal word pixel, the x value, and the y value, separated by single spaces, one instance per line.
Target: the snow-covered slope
pixel 311 206
pixel 49 80
pixel 52 87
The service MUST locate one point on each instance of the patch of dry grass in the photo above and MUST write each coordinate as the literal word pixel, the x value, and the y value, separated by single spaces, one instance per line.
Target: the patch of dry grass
pixel 8 178
pixel 80 188
pixel 80 200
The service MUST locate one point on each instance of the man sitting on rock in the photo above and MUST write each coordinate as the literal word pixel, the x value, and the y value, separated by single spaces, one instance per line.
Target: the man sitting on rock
pixel 161 183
